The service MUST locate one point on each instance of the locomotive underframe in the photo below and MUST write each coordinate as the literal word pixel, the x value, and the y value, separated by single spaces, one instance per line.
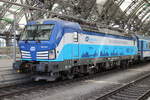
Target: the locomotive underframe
pixel 52 70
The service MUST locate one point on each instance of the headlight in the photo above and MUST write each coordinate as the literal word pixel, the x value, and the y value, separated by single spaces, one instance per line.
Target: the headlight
pixel 52 54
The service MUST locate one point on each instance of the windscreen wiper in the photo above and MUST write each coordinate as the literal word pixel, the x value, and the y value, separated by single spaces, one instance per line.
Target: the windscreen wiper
pixel 38 34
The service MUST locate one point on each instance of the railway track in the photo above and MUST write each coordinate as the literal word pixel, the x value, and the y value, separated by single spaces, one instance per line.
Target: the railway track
pixel 18 89
pixel 10 91
pixel 135 90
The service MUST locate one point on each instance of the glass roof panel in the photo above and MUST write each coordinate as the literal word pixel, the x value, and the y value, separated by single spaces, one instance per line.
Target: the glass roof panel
pixel 128 6
pixel 1 3
pixel 143 13
pixel 125 4
pixel 146 17
pixel 8 16
pixel 129 3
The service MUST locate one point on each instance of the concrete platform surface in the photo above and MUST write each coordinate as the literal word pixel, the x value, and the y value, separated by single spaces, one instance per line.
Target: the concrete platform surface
pixel 8 76
pixel 89 89
pixel 6 63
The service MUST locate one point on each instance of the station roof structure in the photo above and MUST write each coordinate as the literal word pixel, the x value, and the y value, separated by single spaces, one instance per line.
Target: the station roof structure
pixel 129 15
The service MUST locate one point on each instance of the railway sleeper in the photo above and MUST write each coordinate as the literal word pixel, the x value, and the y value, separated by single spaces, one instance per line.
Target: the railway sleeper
pixel 127 95
pixel 136 88
pixel 130 92
pixel 115 97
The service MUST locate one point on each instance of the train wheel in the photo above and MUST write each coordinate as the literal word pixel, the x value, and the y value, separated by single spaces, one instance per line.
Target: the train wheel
pixel 70 76
pixel 128 64
pixel 124 64
pixel 91 71
pixel 107 66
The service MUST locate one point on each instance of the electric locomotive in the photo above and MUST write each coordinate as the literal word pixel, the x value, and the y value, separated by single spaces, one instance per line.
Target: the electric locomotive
pixel 52 48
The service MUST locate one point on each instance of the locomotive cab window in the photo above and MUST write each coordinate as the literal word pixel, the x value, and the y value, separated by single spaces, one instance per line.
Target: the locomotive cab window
pixel 37 32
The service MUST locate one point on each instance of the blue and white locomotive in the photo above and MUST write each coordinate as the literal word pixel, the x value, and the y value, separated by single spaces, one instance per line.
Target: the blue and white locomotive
pixel 55 48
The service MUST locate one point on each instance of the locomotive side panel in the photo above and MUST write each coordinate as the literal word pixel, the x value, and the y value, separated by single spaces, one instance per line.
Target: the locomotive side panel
pixel 95 46
pixel 91 48
pixel 104 45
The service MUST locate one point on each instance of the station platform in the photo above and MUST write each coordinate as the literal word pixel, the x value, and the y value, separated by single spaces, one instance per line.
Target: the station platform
pixel 8 75
pixel 6 63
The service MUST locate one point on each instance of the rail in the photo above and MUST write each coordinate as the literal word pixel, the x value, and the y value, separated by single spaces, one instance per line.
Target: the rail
pixel 138 89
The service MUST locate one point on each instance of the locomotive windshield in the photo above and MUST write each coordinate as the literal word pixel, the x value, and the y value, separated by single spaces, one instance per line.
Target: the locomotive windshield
pixel 37 32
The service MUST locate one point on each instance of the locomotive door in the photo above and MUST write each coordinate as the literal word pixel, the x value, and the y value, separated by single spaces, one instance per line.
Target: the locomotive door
pixel 75 47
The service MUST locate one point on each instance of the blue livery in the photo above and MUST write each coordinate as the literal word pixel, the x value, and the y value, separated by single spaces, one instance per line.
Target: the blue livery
pixel 55 47
pixel 144 47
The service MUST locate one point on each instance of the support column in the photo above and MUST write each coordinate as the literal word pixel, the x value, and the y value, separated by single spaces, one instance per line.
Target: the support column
pixel 7 34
